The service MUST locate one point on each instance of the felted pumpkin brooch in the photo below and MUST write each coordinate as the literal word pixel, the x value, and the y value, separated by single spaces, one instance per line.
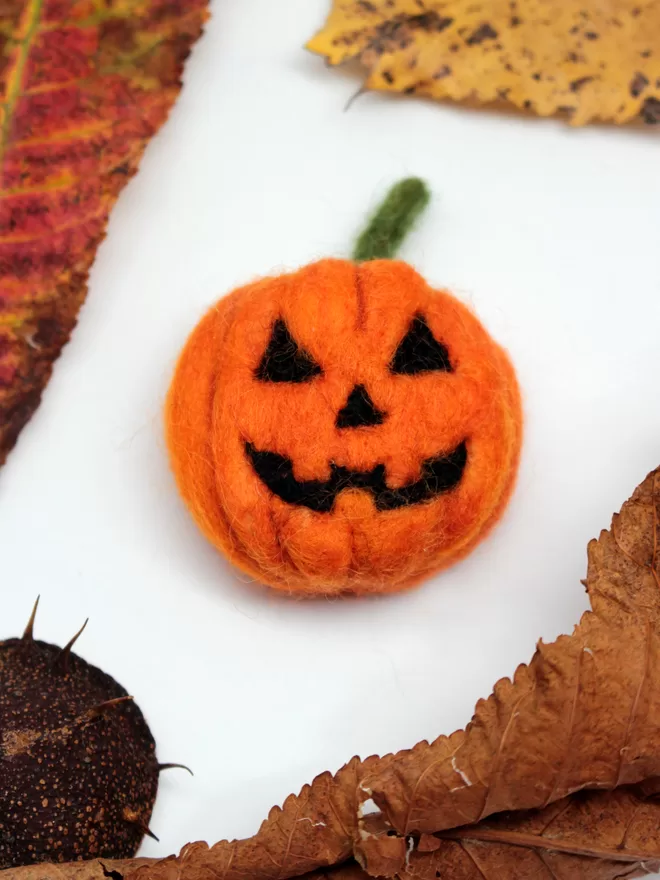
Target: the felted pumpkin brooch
pixel 345 428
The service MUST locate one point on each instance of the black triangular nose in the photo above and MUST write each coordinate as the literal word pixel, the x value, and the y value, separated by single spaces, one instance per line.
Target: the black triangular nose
pixel 359 411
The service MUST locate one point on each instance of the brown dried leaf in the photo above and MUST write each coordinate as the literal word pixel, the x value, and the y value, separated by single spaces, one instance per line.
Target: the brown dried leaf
pixel 592 60
pixel 619 826
pixel 474 860
pixel 588 835
pixel 97 869
pixel 311 830
pixel 592 836
pixel 471 860
pixel 584 714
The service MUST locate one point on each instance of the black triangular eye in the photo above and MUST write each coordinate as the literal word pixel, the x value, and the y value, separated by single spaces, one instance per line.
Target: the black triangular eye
pixel 420 352
pixel 283 360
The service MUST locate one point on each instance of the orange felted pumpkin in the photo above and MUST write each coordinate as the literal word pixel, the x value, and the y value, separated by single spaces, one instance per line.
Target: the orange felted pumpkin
pixel 345 428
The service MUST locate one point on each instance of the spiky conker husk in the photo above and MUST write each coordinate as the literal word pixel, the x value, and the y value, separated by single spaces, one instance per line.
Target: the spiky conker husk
pixel 76 781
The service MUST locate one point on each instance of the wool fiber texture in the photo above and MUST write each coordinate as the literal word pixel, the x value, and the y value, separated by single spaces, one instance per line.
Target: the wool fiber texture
pixel 392 221
pixel 343 428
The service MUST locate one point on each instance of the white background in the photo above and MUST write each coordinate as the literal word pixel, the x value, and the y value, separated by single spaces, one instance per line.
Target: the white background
pixel 551 233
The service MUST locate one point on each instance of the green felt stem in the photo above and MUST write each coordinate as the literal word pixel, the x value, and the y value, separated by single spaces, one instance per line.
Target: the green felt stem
pixel 392 221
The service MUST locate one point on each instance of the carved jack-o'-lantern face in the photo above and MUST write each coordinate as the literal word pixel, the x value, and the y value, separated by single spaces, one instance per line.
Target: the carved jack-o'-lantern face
pixel 343 428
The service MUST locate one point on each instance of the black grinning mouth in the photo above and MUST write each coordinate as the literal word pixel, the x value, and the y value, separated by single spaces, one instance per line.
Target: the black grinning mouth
pixel 439 475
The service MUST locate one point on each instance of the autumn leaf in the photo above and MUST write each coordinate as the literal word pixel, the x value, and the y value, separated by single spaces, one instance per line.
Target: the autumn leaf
pixel 585 714
pixel 591 836
pixel 84 86
pixel 587 835
pixel 590 60
pixel 96 869
pixel 100 869
pixel 474 861
pixel 311 830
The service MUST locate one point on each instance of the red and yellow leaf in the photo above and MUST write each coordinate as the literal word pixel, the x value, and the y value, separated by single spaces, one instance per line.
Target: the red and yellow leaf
pixel 84 84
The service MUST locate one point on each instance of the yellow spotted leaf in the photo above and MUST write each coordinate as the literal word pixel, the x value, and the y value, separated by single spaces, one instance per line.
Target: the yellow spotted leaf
pixel 589 60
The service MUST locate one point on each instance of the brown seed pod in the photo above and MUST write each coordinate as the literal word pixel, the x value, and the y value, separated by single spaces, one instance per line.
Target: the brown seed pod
pixel 78 768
